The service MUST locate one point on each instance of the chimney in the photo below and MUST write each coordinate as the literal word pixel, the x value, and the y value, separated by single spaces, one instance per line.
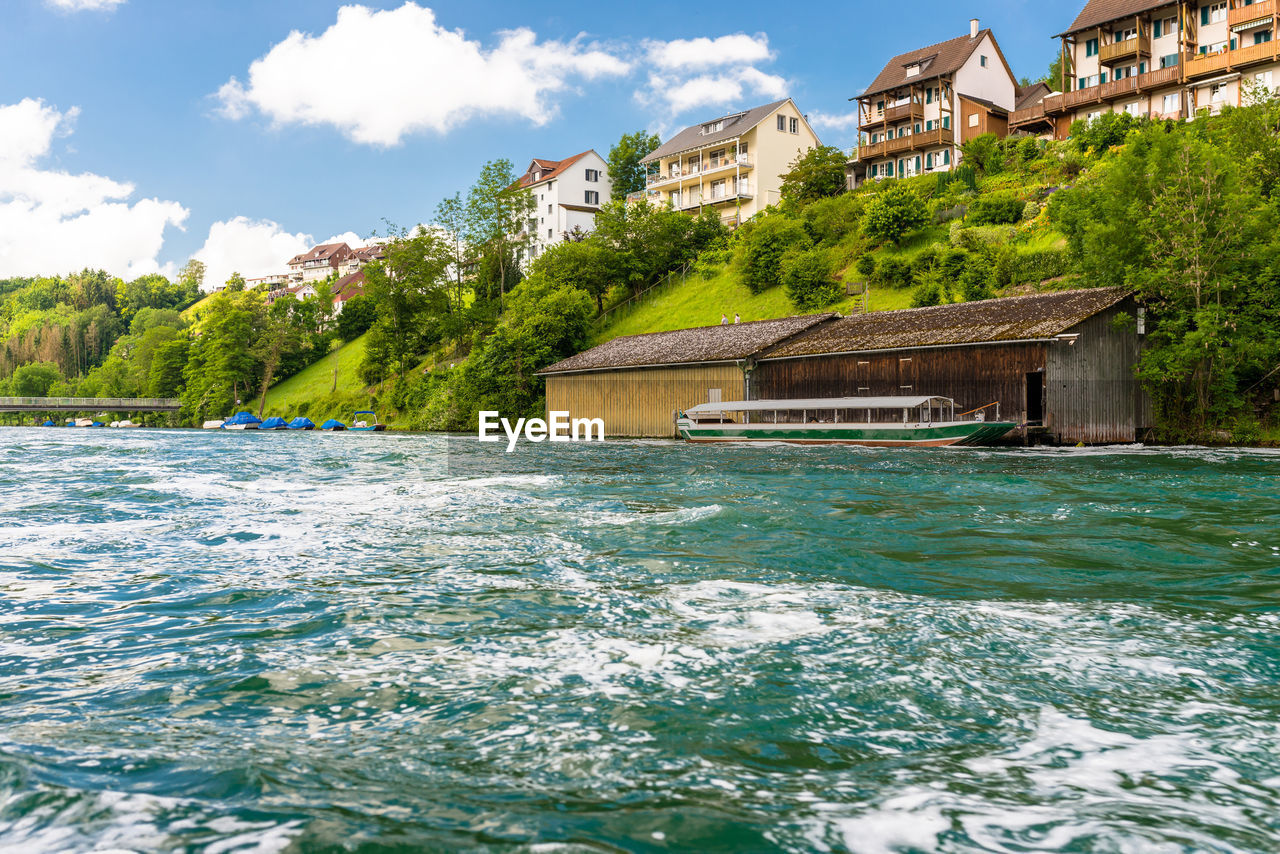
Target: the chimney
pixel 973 28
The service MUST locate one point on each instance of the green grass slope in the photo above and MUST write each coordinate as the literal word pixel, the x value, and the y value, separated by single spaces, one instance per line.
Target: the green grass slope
pixel 313 391
pixel 700 302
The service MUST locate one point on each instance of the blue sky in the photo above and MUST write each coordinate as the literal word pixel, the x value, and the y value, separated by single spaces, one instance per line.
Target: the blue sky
pixel 379 112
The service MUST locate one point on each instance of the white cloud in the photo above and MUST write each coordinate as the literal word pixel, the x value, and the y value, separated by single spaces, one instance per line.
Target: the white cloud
pixel 379 75
pixel 55 222
pixel 699 53
pixel 835 121
pixel 705 72
pixel 249 247
pixel 85 5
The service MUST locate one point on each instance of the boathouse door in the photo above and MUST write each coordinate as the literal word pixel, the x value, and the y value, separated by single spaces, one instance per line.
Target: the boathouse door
pixel 1035 396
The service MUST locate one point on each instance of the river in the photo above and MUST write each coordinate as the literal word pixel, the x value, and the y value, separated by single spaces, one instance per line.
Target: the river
pixel 257 642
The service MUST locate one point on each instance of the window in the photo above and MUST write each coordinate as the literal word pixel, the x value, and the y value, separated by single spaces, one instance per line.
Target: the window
pixel 550 232
pixel 946 122
pixel 1263 78
pixel 795 125
pixel 928 95
pixel 1165 27
pixel 879 109
pixel 973 120
pixel 982 60
pixel 593 197
pixel 782 120
pixel 929 124
pixel 548 208
pixel 1134 109
pixel 1123 35
pixel 1170 103
pixel 1217 92
pixel 1215 14
pixel 928 161
pixel 1170 60
pixel 1262 37
pixel 593 175
pixel 946 157
pixel 917 128
pixel 713 127
pixel 1091 47
pixel 1216 47
pixel 913 70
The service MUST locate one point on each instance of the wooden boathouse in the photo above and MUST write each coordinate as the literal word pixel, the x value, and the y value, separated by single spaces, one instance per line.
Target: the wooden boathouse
pixel 637 383
pixel 1061 364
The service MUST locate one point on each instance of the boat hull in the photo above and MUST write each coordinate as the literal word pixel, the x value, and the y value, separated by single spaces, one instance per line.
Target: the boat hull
pixel 866 435
pixel 373 428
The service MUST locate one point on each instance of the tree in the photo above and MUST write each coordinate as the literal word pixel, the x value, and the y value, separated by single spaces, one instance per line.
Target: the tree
pixel 815 174
pixel 806 275
pixel 279 335
pixel 34 380
pixel 409 288
pixel 499 216
pixel 893 213
pixel 764 243
pixel 451 215
pixel 626 174
pixel 192 276
pixel 586 265
pixel 358 314
pixel 1054 75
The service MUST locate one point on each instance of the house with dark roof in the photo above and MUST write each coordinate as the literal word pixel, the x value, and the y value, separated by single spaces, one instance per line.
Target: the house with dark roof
pixel 1061 364
pixel 319 262
pixel 731 164
pixel 927 102
pixel 1160 60
pixel 567 194
pixel 637 383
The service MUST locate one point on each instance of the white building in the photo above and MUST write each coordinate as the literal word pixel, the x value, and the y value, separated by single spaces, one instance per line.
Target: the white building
pixel 566 194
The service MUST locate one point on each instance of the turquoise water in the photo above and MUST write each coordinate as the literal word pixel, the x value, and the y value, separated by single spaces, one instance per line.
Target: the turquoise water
pixel 239 642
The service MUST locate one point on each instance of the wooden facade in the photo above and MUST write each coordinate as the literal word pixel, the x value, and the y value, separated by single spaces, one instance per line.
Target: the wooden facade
pixel 640 402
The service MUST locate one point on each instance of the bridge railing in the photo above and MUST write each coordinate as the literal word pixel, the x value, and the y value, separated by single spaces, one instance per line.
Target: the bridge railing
pixel 88 404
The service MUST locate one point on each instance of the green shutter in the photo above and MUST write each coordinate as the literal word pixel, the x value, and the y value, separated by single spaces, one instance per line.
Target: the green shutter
pixel 1156 34
pixel 1204 16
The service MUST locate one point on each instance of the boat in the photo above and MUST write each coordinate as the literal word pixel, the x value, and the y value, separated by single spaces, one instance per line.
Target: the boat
pixel 301 423
pixel 357 424
pixel 215 424
pixel 79 422
pixel 275 422
pixel 891 422
pixel 48 424
pixel 333 424
pixel 242 421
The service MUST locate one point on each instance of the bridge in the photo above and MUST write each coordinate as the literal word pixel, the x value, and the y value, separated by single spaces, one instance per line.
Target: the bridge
pixel 90 404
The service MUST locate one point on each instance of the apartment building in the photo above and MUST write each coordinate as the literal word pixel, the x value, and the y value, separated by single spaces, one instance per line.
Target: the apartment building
pixel 731 164
pixel 924 104
pixel 1158 59
pixel 567 194
pixel 319 262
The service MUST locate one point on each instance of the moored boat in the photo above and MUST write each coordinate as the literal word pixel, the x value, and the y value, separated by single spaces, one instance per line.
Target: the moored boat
pixel 275 422
pixel 893 422
pixel 333 424
pixel 242 421
pixel 215 424
pixel 358 424
pixel 301 423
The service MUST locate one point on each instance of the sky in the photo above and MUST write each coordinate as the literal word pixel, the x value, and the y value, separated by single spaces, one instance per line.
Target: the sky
pixel 136 134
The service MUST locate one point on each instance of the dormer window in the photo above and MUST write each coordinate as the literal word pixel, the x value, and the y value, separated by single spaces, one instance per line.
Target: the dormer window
pixel 713 127
pixel 913 70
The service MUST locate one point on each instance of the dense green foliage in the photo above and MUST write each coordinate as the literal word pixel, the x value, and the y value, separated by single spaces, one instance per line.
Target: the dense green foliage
pixel 816 174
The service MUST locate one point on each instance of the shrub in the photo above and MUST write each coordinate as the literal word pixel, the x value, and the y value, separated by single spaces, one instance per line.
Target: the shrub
pixel 995 209
pixel 893 213
pixel 828 221
pixel 806 274
pixel 1035 267
pixel 1030 211
pixel 763 247
pixel 984 153
pixel 867 267
pixel 358 314
pixel 1106 131
pixel 893 273
pixel 1029 149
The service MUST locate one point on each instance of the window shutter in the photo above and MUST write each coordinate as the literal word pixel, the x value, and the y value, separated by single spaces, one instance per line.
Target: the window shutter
pixel 1204 16
pixel 1156 34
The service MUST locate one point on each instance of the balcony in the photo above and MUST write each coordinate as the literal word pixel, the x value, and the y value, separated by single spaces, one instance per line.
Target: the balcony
pixel 1255 15
pixel 904 112
pixel 1224 60
pixel 1031 115
pixel 913 142
pixel 1061 102
pixel 696 170
pixel 1127 51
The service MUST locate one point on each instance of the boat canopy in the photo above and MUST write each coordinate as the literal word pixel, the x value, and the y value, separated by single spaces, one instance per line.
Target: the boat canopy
pixel 333 424
pixel 301 423
pixel 365 412
pixel 819 404
pixel 242 418
pixel 275 422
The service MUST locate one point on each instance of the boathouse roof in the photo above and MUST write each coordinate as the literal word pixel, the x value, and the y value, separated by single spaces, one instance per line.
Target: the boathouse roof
pixel 1037 316
pixel 723 343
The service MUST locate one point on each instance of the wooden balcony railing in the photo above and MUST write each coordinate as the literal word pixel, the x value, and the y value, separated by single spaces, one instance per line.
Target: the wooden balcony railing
pixel 1257 11
pixel 912 142
pixel 1031 114
pixel 1058 103
pixel 910 110
pixel 1212 63
pixel 1139 45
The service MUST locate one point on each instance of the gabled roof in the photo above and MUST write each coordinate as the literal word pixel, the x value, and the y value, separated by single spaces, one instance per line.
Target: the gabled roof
pixel 987 321
pixel 735 124
pixel 349 286
pixel 935 60
pixel 983 102
pixel 1029 96
pixel 319 253
pixel 1097 12
pixel 549 168
pixel 725 343
pixel 374 252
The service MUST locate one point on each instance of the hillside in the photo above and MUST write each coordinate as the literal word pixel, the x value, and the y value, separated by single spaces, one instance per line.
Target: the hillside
pixel 329 388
